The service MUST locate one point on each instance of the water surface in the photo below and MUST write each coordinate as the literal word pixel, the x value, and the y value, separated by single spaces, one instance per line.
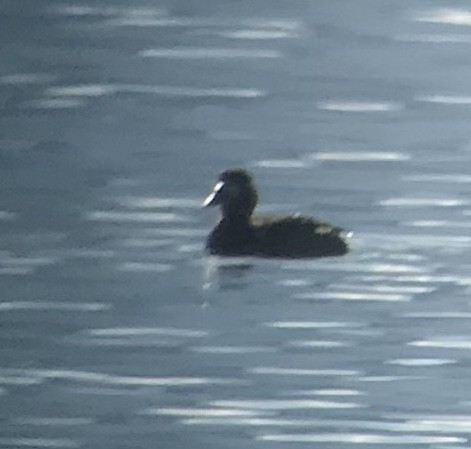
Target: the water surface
pixel 117 331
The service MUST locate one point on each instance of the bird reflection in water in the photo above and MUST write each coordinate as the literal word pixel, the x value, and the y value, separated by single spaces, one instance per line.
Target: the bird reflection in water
pixel 226 274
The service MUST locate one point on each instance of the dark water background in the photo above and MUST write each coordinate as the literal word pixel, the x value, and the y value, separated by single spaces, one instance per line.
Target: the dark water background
pixel 116 117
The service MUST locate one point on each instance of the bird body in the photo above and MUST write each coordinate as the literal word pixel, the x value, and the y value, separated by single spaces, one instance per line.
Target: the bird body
pixel 240 234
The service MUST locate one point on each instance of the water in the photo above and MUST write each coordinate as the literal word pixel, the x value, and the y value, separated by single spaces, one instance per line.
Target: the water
pixel 116 330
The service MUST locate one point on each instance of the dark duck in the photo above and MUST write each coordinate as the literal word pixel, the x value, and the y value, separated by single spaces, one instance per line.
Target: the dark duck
pixel 239 233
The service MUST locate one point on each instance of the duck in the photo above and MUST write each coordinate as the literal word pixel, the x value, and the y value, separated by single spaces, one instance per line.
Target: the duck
pixel 240 233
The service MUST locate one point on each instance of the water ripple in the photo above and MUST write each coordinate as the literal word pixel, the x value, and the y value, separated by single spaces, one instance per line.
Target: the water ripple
pixel 139 336
pixel 451 178
pixel 158 202
pixel 319 344
pixel 444 343
pixel 294 282
pixel 269 28
pixel 53 421
pixel 27 78
pixel 437 224
pixel 75 95
pixel 15 379
pixel 200 412
pixel 193 92
pixel 337 392
pixel 280 163
pixel 359 438
pixel 406 289
pixel 145 267
pixel 353 296
pixel 82 90
pixel 244 422
pixel 9 260
pixel 457 100
pixel 360 156
pixel 434 38
pixel 382 379
pixel 89 10
pixel 147 243
pixel 257 34
pixel 419 424
pixel 39 442
pixel 174 232
pixel 359 267
pixel 421 362
pixel 438 315
pixel 233 349
pixel 140 331
pixel 58 103
pixel 433 426
pixel 448 16
pixel 421 279
pixel 152 217
pixel 8 306
pixel 275 371
pixel 358 106
pixel 111 379
pixel 312 324
pixel 406 242
pixel 287 404
pixel 423 202
pixel 209 53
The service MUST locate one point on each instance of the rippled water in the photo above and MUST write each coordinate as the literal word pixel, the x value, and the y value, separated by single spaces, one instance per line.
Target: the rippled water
pixel 117 331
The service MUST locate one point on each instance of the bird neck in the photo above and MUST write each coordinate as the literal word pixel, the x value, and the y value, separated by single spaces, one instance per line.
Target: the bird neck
pixel 236 220
pixel 236 212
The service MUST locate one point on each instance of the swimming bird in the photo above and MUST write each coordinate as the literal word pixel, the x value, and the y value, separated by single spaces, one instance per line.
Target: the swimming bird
pixel 239 233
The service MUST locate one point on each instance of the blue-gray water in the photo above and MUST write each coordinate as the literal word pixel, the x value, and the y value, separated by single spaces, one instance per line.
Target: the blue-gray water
pixel 116 331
